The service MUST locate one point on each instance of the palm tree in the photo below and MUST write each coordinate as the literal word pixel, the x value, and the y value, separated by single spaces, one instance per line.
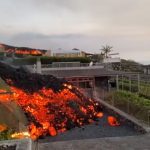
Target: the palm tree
pixel 106 50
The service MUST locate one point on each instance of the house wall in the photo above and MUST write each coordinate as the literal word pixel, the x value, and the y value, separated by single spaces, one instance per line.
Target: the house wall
pixel 76 54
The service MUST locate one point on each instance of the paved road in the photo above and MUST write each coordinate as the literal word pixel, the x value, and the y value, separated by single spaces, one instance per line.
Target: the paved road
pixel 141 142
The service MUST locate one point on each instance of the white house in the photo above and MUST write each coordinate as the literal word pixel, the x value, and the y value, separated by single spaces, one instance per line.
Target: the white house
pixel 68 53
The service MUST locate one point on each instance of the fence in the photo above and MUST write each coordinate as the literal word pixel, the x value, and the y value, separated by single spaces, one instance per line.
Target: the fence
pixel 70 64
pixel 125 104
pixel 135 83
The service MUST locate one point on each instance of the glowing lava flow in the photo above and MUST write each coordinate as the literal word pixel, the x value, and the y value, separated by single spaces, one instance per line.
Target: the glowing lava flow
pixel 20 135
pixel 50 113
pixel 2 127
pixel 51 105
pixel 27 52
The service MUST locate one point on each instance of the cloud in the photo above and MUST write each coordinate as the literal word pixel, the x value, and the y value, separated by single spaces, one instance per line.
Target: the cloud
pixel 37 36
pixel 86 24
pixel 39 40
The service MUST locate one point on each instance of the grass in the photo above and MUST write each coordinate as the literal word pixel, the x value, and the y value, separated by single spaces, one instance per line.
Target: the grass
pixel 30 60
pixel 144 90
pixel 131 103
pixel 6 134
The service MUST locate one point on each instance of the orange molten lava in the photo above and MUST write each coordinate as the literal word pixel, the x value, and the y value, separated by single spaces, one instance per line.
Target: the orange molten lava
pixel 113 121
pixel 100 115
pixel 2 127
pixel 20 135
pixel 28 52
pixel 4 96
pixel 51 106
pixel 52 131
pixel 52 112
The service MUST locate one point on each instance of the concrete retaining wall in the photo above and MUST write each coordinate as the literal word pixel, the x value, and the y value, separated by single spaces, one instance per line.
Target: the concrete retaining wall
pixel 23 144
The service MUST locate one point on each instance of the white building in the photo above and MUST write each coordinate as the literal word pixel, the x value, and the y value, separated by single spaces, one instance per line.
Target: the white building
pixel 68 53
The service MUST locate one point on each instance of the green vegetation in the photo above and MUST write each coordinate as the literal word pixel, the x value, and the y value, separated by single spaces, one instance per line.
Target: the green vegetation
pixel 49 60
pixel 130 103
pixel 6 134
pixel 106 50
pixel 97 58
pixel 144 90
pixel 1 53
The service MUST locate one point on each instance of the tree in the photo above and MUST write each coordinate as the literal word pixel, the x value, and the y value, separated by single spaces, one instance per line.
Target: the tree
pixel 106 50
pixel 97 58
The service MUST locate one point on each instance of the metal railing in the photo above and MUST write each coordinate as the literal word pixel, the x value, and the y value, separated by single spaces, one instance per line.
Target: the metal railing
pixel 70 64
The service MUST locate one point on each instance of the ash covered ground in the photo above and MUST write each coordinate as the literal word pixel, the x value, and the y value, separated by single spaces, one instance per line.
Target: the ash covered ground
pixel 98 129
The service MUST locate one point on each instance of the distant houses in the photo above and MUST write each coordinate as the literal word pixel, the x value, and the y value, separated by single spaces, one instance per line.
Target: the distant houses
pixel 69 53
pixel 24 51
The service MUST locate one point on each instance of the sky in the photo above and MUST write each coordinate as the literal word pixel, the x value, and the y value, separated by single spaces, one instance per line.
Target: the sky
pixel 84 24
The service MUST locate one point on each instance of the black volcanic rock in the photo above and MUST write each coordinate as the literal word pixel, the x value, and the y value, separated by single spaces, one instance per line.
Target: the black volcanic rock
pixel 27 81
pixel 20 48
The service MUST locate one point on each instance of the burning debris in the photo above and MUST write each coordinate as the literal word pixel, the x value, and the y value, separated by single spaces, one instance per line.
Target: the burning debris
pixel 51 106
pixel 22 50
pixel 29 52
pixel 20 135
pixel 113 121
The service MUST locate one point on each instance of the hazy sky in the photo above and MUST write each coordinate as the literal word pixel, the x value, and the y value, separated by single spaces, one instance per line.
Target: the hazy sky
pixel 84 24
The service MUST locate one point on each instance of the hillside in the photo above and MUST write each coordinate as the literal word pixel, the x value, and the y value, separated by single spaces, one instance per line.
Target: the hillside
pixel 6 47
pixel 21 50
pixel 128 65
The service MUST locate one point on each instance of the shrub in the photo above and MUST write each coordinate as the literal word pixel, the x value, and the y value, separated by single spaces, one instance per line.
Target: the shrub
pixel 131 103
pixel 5 133
pixel 49 60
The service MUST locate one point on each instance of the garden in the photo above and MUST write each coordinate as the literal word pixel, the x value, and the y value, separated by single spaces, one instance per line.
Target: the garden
pixel 131 103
